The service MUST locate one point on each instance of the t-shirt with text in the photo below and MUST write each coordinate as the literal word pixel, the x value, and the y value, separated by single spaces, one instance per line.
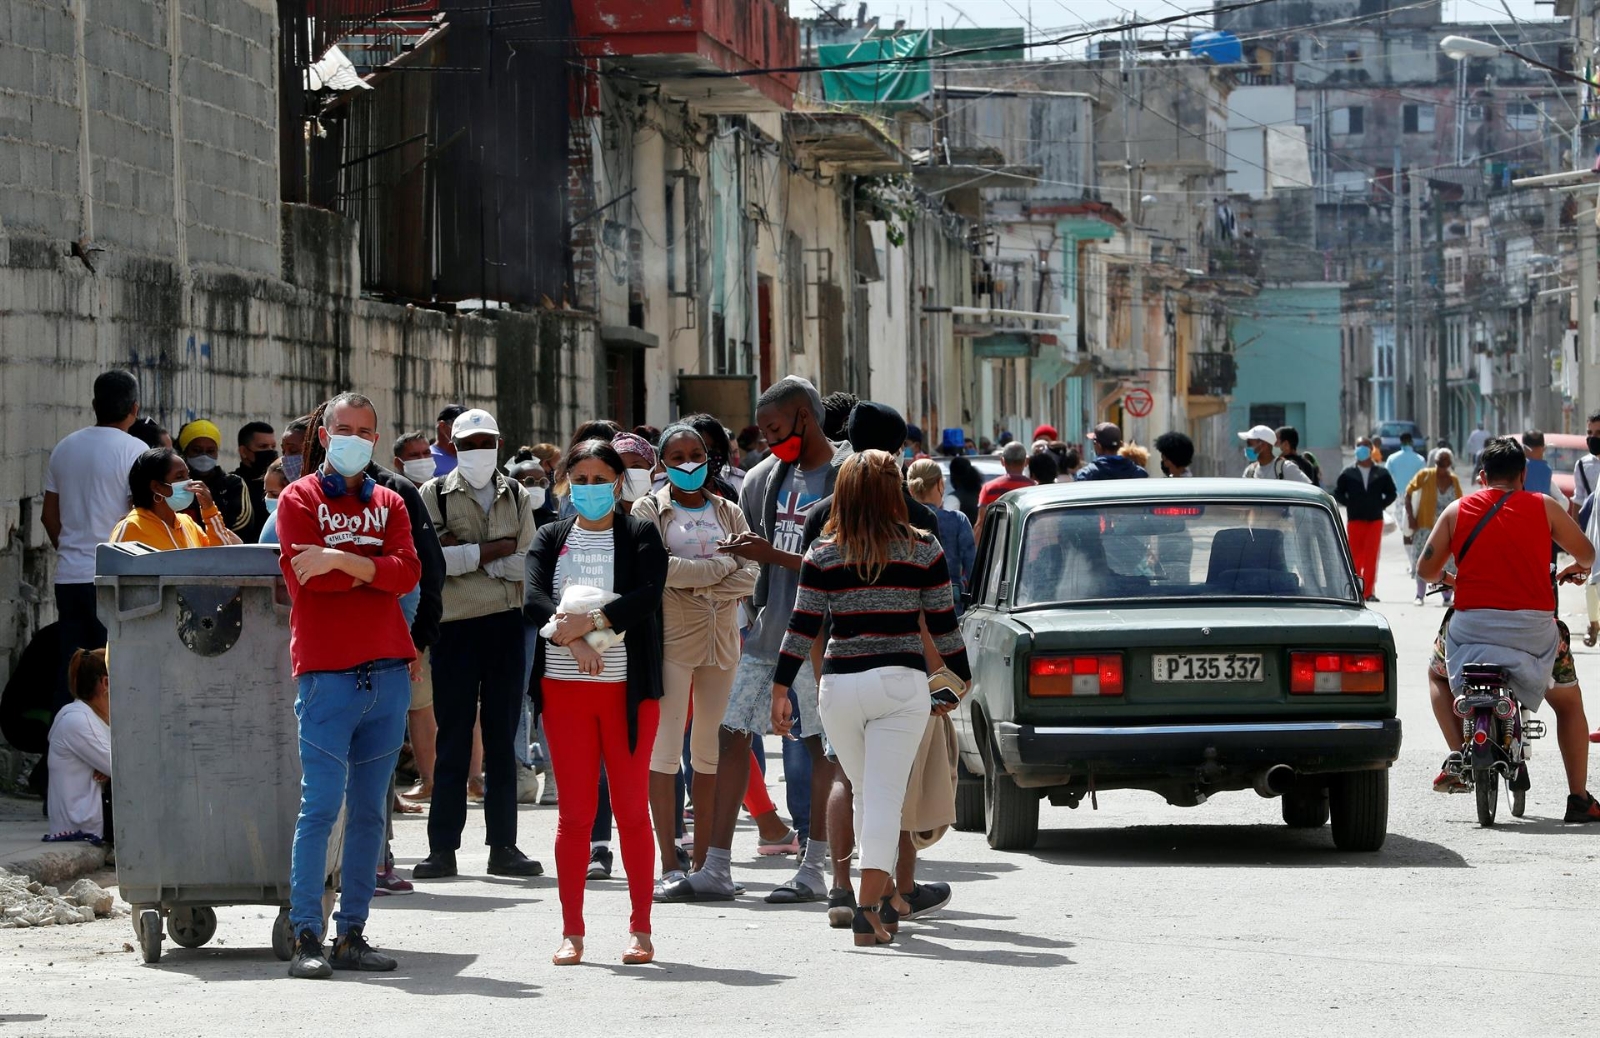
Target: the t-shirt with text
pixel 588 558
pixel 795 498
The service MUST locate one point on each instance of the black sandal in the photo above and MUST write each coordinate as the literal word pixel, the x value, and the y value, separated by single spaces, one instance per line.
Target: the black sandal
pixel 841 907
pixel 866 935
pixel 889 915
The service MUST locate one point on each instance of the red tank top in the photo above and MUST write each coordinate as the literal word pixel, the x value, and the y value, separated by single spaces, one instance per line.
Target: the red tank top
pixel 1509 564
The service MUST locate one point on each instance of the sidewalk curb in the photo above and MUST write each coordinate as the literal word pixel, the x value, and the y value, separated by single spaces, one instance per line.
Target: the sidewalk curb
pixel 57 864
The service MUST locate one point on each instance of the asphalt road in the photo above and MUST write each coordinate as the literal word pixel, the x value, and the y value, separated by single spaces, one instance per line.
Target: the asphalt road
pixel 1137 919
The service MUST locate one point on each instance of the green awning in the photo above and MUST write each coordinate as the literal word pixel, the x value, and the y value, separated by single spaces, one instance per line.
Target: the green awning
pixel 1002 345
pixel 874 84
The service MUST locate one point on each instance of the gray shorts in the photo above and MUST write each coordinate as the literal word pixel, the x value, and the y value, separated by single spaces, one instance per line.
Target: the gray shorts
pixel 750 705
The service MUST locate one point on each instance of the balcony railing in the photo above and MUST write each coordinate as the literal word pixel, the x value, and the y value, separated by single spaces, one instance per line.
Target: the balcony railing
pixel 1211 374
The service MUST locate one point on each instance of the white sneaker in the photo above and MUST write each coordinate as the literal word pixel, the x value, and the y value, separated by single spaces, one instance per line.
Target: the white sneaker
pixel 527 785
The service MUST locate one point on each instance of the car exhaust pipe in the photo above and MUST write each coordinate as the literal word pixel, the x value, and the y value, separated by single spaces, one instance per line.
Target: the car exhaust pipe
pixel 1275 781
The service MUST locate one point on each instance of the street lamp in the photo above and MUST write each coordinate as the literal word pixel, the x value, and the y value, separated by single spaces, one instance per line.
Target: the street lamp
pixel 1462 47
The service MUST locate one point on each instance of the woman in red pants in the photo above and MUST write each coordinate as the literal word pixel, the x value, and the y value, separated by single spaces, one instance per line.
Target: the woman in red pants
pixel 600 705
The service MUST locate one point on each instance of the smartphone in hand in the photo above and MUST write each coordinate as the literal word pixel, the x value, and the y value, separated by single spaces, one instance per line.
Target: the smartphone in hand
pixel 943 697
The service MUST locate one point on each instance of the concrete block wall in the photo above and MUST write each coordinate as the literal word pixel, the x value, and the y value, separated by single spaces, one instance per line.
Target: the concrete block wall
pixel 88 119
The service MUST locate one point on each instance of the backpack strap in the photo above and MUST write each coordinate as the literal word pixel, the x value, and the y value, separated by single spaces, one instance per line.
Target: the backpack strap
pixel 1583 473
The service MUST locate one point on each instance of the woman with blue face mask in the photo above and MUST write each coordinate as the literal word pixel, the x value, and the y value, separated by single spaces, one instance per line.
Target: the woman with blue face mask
pixel 163 496
pixel 700 617
pixel 600 704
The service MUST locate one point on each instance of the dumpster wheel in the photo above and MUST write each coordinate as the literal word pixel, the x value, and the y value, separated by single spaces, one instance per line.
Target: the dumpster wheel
pixel 283 936
pixel 150 935
pixel 191 927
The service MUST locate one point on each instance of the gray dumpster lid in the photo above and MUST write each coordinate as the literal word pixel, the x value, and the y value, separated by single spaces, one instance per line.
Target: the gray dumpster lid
pixel 232 560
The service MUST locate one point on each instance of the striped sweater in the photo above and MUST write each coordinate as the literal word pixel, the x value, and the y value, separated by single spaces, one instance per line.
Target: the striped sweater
pixel 873 625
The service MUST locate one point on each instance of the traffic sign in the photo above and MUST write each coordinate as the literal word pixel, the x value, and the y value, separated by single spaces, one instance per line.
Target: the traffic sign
pixel 1139 402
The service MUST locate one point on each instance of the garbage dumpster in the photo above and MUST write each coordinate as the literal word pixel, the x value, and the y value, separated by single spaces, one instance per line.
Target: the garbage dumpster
pixel 204 741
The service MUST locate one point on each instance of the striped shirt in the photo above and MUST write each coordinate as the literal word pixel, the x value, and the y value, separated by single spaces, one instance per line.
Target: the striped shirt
pixel 874 624
pixel 590 558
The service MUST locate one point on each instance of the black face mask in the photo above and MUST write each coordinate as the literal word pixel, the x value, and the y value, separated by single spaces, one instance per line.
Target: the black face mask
pixel 263 460
pixel 1594 445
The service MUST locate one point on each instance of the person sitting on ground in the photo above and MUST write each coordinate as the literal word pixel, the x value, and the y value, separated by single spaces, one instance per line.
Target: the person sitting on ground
pixel 80 753
pixel 163 497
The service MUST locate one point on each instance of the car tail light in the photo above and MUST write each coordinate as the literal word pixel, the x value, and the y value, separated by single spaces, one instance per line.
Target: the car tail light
pixel 1075 676
pixel 1314 673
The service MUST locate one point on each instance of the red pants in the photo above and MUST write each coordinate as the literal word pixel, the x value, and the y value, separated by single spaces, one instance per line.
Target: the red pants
pixel 756 798
pixel 587 722
pixel 1365 538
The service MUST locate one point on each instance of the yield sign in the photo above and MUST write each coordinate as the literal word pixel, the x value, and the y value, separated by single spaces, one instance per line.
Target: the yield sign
pixel 1138 402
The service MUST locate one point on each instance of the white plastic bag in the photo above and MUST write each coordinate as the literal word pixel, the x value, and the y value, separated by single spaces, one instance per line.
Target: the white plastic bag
pixel 579 600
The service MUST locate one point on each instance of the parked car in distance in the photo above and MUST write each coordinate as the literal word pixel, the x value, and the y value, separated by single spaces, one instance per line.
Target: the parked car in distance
pixel 1190 637
pixel 1561 452
pixel 1387 437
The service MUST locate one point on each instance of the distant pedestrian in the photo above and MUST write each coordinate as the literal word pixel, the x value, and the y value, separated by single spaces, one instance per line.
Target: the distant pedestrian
pixel 1177 454
pixel 1289 450
pixel 258 449
pixel 200 444
pixel 1106 438
pixel 1427 495
pixel 926 483
pixel 1365 489
pixel 1014 456
pixel 1259 443
pixel 1538 476
pixel 347 557
pixel 1042 467
pixel 966 487
pixel 444 450
pixel 85 495
pixel 1478 439
pixel 1403 466
pixel 1585 480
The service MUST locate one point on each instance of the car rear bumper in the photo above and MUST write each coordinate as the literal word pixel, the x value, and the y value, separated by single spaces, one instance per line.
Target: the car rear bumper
pixel 1041 755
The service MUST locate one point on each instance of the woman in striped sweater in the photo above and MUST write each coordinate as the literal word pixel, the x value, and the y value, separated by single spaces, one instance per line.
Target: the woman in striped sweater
pixel 878 581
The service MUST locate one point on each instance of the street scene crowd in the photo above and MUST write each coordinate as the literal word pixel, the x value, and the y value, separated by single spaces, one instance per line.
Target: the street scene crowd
pixel 613 626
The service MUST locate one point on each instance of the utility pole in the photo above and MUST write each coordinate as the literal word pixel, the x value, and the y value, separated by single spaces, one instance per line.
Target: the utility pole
pixel 1583 403
pixel 1402 363
pixel 1418 344
pixel 1441 322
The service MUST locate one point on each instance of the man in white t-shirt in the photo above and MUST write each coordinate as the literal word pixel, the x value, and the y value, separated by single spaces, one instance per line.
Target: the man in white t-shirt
pixel 85 495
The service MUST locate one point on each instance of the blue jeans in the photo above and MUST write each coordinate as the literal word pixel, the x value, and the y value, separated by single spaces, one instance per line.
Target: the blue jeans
pixel 351 725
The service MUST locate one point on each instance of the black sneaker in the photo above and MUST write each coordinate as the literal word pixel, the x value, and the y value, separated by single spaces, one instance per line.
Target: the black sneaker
pixel 309 963
pixel 508 861
pixel 841 907
pixel 352 952
pixel 925 898
pixel 438 865
pixel 600 862
pixel 1583 808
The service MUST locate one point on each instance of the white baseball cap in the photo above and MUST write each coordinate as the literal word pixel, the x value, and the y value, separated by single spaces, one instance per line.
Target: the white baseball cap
pixel 1260 432
pixel 470 423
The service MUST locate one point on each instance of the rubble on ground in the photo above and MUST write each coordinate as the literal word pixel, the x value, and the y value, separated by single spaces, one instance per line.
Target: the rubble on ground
pixel 25 902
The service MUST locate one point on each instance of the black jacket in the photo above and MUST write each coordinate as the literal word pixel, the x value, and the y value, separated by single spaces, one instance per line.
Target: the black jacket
pixel 640 577
pixel 1365 502
pixel 430 606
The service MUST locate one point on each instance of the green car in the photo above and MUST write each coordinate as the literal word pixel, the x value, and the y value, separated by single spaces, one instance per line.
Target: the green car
pixel 1185 636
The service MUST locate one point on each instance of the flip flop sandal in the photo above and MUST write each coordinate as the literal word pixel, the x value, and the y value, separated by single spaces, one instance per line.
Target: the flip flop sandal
pixel 683 892
pixel 792 893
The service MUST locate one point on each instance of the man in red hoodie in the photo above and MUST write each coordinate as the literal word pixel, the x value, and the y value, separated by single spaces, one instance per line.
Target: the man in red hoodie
pixel 347 557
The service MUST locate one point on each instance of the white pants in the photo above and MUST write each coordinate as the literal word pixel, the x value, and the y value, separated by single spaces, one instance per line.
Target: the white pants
pixel 875 723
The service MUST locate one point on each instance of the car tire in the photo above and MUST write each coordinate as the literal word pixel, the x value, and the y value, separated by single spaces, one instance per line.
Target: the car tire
pixel 1305 808
pixel 969 800
pixel 1011 812
pixel 1359 803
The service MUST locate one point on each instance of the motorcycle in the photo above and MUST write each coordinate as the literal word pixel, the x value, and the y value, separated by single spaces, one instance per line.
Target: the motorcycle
pixel 1496 732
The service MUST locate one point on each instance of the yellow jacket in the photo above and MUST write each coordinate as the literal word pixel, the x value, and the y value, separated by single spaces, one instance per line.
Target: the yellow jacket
pixel 146 527
pixel 1425 485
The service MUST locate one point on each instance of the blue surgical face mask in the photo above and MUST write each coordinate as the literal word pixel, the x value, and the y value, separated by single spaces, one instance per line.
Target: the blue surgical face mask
pixel 349 455
pixel 1250 452
pixel 1363 453
pixel 293 466
pixel 181 497
pixel 272 505
pixel 689 476
pixel 594 501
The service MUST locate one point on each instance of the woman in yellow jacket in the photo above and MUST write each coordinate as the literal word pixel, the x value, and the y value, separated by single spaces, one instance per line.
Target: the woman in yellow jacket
pixel 163 495
pixel 699 611
pixel 1430 490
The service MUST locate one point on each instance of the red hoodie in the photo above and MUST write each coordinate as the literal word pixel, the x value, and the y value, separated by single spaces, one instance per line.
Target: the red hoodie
pixel 336 624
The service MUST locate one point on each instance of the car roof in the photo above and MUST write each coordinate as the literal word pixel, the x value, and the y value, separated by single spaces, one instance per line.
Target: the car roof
pixel 1111 491
pixel 1559 439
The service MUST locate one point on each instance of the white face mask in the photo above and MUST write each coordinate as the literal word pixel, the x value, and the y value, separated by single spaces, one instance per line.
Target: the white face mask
pixel 535 497
pixel 477 467
pixel 418 470
pixel 635 484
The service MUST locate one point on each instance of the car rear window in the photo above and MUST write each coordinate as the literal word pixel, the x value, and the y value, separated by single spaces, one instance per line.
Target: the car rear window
pixel 1563 460
pixel 1184 550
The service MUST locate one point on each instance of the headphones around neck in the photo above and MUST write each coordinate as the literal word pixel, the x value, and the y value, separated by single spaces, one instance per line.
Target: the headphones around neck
pixel 333 485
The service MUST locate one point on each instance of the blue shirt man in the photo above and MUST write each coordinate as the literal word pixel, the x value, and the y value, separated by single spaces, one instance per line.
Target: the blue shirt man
pixel 1404 464
pixel 444 448
pixel 1537 476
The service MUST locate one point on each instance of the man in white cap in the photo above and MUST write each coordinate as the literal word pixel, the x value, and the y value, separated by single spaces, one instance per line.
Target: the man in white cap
pixel 1259 442
pixel 485 523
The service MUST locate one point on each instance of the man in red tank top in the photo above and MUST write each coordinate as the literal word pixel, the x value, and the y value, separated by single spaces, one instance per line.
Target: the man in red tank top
pixel 1506 574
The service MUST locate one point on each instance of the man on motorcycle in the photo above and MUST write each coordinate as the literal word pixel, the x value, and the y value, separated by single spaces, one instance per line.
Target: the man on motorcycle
pixel 1505 611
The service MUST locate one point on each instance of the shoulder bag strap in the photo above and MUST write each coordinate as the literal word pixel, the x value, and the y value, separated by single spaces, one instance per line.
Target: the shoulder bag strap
pixel 1466 545
pixel 1583 471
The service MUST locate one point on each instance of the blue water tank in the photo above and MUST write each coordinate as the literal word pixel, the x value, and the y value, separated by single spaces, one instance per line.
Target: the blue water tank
pixel 1221 47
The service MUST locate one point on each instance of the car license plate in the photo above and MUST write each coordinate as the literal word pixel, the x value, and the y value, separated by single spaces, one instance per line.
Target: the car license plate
pixel 1219 666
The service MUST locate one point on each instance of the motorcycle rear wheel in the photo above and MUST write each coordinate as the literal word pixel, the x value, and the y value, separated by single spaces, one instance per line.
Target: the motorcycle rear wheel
pixel 1486 790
